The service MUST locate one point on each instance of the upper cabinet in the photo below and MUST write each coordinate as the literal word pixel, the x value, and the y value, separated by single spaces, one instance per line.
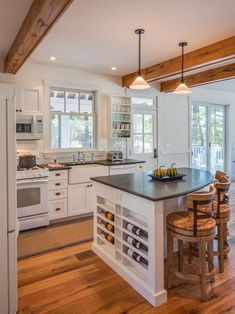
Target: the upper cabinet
pixel 120 112
pixel 30 99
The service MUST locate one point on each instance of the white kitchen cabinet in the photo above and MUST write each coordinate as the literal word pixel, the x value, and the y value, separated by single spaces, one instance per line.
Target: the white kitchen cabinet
pixel 58 194
pixel 80 199
pixel 30 99
pixel 122 169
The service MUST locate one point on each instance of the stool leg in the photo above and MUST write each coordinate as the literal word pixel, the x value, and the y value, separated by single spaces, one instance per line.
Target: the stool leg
pixel 169 257
pixel 210 256
pixel 180 254
pixel 190 254
pixel 221 246
pixel 226 238
pixel 202 259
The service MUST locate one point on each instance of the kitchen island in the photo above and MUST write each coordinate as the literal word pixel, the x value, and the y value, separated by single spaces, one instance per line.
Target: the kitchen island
pixel 129 225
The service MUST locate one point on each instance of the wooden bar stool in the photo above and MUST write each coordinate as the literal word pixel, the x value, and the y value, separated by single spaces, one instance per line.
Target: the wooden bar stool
pixel 221 215
pixel 195 228
pixel 220 174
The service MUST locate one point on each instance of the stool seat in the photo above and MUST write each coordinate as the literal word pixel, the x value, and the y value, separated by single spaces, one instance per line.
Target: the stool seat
pixel 184 221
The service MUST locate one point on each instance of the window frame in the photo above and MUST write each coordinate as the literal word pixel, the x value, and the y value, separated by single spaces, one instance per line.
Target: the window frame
pixel 93 115
pixel 145 110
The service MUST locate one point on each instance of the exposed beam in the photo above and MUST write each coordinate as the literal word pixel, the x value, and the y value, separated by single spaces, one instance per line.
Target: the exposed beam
pixel 205 77
pixel 40 18
pixel 214 53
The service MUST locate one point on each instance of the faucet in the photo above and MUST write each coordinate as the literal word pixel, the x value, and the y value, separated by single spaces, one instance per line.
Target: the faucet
pixel 74 158
pixel 92 157
pixel 83 157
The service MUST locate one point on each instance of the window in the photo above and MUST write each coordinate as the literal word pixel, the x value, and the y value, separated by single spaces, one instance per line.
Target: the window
pixel 72 118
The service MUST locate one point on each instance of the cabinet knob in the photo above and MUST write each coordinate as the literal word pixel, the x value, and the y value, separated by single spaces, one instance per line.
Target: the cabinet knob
pixel 17 110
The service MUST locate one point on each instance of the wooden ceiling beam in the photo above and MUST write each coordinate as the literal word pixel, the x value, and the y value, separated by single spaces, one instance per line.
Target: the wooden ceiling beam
pixel 41 17
pixel 208 55
pixel 201 78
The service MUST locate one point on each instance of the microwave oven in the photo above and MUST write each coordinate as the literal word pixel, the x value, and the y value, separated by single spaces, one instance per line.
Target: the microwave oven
pixel 29 126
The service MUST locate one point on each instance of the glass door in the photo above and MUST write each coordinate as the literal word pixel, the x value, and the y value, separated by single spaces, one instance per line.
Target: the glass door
pixel 208 137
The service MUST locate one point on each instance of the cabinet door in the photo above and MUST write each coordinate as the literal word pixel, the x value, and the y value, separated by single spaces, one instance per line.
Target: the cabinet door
pixel 30 99
pixel 78 199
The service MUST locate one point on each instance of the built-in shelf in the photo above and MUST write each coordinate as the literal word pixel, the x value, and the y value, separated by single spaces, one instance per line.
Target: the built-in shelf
pixel 120 117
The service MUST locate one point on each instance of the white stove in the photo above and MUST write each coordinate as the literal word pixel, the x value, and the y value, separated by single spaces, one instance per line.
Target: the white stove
pixel 32 197
pixel 35 172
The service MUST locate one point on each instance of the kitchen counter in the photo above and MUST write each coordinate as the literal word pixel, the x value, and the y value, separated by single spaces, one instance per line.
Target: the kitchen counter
pixel 69 165
pixel 137 201
pixel 142 185
pixel 56 168
pixel 119 163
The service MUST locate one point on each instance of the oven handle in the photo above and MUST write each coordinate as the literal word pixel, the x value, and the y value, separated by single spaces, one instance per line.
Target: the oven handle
pixel 32 181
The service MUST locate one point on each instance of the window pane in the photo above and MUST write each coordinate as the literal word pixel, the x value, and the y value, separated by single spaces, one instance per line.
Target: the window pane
pixel 148 123
pixel 76 131
pixel 199 136
pixel 57 101
pixel 138 123
pixel 86 103
pixel 54 131
pixel 142 101
pixel 148 143
pixel 72 102
pixel 138 144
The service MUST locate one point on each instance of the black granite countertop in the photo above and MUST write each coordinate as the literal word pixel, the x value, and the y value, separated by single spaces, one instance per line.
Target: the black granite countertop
pixel 56 168
pixel 142 185
pixel 118 163
pixel 69 165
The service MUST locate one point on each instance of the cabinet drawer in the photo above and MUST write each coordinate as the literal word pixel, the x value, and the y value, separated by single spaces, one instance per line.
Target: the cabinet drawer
pixel 59 194
pixel 57 185
pixel 58 175
pixel 58 209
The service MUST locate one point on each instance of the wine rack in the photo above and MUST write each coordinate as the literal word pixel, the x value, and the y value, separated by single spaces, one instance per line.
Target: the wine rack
pixel 122 217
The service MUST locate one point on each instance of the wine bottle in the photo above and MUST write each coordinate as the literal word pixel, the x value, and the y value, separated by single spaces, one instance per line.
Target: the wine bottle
pixel 108 237
pixel 136 257
pixel 136 230
pixel 108 226
pixel 137 244
pixel 108 214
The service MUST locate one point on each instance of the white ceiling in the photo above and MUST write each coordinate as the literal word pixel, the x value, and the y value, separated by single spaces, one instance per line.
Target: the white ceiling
pixel 99 34
pixel 12 14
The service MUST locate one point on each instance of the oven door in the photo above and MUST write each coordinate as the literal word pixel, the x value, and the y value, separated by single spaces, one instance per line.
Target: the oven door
pixel 32 197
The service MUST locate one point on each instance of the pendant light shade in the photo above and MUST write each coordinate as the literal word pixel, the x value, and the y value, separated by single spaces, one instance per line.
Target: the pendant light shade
pixel 182 88
pixel 139 82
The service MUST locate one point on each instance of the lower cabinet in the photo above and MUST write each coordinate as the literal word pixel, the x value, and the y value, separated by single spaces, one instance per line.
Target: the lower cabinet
pixel 80 199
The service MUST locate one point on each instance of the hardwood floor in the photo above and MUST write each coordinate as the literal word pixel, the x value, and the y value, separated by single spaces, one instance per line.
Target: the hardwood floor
pixel 76 281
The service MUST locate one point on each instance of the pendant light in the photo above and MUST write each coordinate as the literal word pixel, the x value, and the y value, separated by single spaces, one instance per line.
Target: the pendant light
pixel 139 82
pixel 182 88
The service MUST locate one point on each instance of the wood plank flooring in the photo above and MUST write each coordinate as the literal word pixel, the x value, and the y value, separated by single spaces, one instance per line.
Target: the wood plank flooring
pixel 76 281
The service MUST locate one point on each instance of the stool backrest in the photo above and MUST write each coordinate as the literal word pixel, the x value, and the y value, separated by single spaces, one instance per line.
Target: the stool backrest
pixel 222 189
pixel 220 174
pixel 200 200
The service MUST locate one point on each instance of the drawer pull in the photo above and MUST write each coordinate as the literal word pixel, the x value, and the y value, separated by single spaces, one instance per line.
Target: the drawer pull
pixel 58 174
pixel 58 209
pixel 57 184
pixel 58 193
